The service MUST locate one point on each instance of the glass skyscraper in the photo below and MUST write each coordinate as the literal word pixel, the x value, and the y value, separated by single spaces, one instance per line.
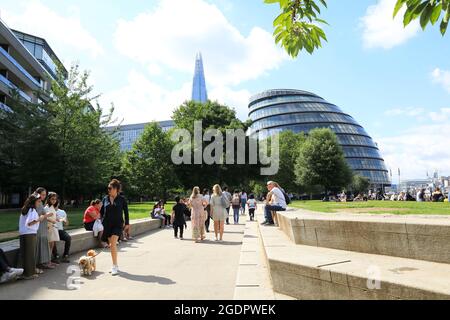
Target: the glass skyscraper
pixel 199 93
pixel 273 111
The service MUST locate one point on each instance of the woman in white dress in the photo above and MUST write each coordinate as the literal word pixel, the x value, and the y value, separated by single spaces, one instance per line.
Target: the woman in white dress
pixel 53 234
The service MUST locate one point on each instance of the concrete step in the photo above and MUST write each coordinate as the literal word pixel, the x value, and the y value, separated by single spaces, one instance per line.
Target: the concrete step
pixel 414 237
pixel 308 272
pixel 253 279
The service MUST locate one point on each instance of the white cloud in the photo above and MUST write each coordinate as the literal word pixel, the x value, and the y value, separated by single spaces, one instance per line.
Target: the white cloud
pixel 442 116
pixel 381 30
pixel 169 37
pixel 418 150
pixel 410 112
pixel 61 31
pixel 441 77
pixel 142 100
pixel 420 114
pixel 237 99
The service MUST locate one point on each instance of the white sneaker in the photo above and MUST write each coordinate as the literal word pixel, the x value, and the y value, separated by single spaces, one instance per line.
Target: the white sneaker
pixel 7 276
pixel 216 239
pixel 17 271
pixel 115 270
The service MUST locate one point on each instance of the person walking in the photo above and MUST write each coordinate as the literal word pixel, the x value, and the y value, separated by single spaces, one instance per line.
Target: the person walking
pixel 53 235
pixel 198 215
pixel 29 223
pixel 43 253
pixel 207 199
pixel 252 206
pixel 114 209
pixel 243 196
pixel 228 197
pixel 236 205
pixel 178 220
pixel 61 221
pixel 218 211
pixel 275 202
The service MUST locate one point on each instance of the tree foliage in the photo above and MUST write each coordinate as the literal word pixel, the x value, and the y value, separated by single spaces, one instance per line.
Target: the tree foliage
pixel 60 144
pixel 148 166
pixel 428 11
pixel 290 144
pixel 360 184
pixel 321 162
pixel 220 117
pixel 296 28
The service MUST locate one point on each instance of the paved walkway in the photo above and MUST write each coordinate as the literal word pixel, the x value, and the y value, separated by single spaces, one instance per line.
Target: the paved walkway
pixel 154 266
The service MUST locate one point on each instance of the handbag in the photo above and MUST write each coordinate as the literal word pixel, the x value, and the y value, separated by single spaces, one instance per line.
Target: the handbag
pixel 98 227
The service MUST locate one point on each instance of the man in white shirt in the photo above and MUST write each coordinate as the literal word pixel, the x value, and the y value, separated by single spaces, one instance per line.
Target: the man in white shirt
pixel 61 220
pixel 275 202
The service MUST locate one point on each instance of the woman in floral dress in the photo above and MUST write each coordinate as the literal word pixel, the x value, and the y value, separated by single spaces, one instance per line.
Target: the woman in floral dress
pixel 198 216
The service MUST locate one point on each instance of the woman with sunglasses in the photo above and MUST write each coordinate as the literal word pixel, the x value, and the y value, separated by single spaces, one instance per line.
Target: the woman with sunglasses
pixel 113 210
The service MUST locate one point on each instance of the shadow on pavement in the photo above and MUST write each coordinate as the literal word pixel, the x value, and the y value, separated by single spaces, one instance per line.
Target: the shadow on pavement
pixel 147 279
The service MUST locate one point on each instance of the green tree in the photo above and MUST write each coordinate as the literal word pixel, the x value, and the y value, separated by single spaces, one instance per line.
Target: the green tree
pixel 322 163
pixel 216 116
pixel 360 184
pixel 148 166
pixel 290 144
pixel 89 155
pixel 296 28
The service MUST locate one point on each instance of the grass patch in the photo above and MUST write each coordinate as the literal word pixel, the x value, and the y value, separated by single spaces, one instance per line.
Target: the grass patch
pixel 377 207
pixel 9 219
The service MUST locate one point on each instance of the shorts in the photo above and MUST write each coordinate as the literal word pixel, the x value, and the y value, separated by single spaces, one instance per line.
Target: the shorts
pixel 89 226
pixel 111 231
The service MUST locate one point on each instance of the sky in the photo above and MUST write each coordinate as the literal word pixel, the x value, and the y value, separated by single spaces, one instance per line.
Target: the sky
pixel 394 81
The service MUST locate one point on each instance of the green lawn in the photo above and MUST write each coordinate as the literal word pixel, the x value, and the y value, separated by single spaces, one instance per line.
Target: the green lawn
pixel 9 219
pixel 392 207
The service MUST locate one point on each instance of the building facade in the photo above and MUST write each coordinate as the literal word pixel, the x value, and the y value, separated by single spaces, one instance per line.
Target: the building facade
pixel 128 134
pixel 199 92
pixel 274 111
pixel 26 73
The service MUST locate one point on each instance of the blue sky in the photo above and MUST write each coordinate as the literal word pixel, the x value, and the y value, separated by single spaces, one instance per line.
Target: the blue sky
pixel 395 82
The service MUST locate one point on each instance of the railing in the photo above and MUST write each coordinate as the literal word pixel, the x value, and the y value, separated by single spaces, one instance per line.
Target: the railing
pixel 14 87
pixel 5 107
pixel 25 72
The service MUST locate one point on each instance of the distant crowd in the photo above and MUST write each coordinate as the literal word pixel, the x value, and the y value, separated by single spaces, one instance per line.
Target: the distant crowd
pixel 421 195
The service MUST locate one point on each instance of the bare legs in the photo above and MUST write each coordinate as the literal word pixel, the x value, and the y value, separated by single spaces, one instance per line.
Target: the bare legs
pixel 113 243
pixel 221 226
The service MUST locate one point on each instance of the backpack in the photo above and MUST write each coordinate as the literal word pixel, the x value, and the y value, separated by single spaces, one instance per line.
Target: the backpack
pixel 236 200
pixel 224 201
pixel 286 197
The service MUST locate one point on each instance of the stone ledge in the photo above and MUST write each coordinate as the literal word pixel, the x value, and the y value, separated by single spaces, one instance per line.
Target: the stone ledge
pixel 82 240
pixel 307 272
pixel 422 238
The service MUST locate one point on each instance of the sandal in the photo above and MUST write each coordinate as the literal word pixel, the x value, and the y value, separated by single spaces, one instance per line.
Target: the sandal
pixel 39 271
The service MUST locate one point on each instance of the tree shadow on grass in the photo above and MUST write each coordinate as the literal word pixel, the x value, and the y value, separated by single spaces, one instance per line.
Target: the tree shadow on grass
pixel 146 278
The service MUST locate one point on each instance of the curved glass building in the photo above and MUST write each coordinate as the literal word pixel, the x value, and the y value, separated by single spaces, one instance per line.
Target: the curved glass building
pixel 273 111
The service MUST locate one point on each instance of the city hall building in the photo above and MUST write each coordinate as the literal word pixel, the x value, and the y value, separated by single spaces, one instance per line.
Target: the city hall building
pixel 273 111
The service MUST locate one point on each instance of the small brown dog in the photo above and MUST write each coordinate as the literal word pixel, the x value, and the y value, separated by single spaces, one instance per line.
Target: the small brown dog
pixel 87 263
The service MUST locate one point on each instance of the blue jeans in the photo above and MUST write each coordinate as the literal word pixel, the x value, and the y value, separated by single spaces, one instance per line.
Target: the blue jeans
pixel 236 215
pixel 268 212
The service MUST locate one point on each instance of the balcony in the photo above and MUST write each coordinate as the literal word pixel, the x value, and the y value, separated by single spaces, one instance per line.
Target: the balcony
pixel 4 107
pixel 12 86
pixel 18 66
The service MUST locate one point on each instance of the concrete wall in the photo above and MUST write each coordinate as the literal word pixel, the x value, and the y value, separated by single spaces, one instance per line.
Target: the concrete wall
pixel 82 240
pixel 398 237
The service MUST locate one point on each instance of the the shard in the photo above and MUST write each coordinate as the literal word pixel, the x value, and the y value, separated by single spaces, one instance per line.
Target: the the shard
pixel 199 93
